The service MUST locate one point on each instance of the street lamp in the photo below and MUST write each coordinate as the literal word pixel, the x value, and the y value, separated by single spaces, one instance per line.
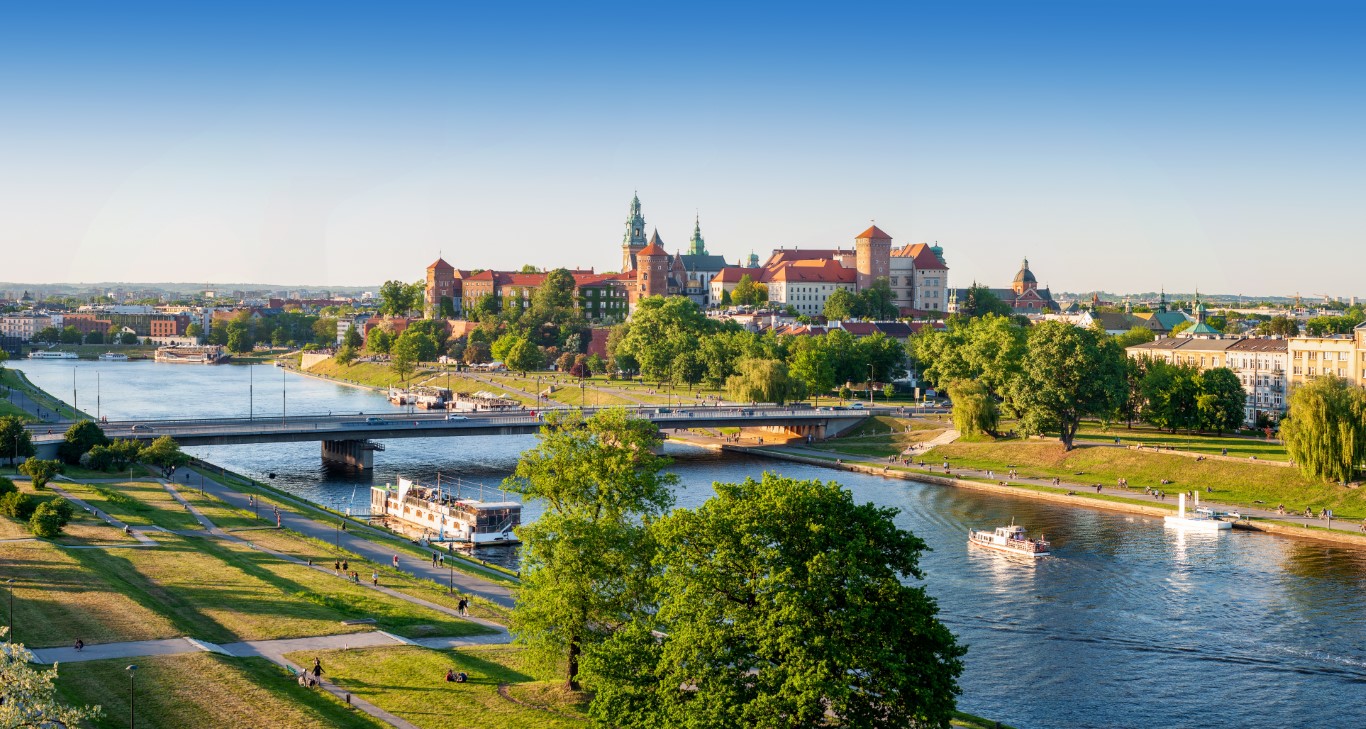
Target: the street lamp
pixel 251 391
pixel 284 403
pixel 870 384
pixel 74 406
pixel 10 634
pixel 132 670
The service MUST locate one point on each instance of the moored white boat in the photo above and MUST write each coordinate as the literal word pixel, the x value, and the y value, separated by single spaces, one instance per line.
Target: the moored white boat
pixel 1201 520
pixel 1011 540
pixel 114 357
pixel 45 354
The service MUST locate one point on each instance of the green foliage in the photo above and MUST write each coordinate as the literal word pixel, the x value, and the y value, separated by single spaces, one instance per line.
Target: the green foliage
pixel 46 521
pixel 71 335
pixel 1279 326
pixel 660 329
pixel 164 452
pixel 352 337
pixel 346 354
pixel 1221 400
pixel 1135 336
pixel 195 331
pixel 28 694
pixel 688 369
pixel 760 379
pixel 40 472
pixel 399 299
pixel 1325 429
pixel 586 560
pixel 380 340
pixel 555 294
pixel 794 579
pixel 841 305
pixel 979 301
pixel 989 348
pixel 15 442
pixel 974 409
pixel 415 345
pixel 1068 373
pixel 80 437
pixel 476 353
pixel 876 302
pixel 17 505
pixel 1170 393
pixel 813 365
pixel 749 293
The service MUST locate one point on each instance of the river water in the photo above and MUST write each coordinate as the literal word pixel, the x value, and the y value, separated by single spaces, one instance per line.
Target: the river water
pixel 1130 625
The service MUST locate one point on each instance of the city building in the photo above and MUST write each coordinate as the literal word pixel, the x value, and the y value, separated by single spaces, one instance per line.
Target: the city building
pixel 23 325
pixel 1260 364
pixel 601 297
pixel 442 297
pixel 919 279
pixel 1023 297
pixel 1343 355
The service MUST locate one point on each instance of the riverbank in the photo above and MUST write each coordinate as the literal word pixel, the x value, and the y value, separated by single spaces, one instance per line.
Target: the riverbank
pixel 1071 494
pixel 29 398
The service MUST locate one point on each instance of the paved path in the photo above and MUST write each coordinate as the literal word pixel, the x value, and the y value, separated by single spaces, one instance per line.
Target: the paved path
pixel 143 539
pixel 29 405
pixel 497 593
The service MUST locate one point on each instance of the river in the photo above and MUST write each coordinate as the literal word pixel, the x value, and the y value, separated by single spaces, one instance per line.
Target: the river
pixel 1129 625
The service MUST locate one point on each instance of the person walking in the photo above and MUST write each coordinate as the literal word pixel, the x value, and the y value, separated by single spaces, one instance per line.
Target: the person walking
pixel 346 566
pixel 317 669
pixel 463 606
pixel 396 561
pixel 336 567
pixel 374 578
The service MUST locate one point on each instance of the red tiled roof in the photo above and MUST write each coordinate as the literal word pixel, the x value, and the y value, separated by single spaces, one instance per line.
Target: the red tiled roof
pixel 787 255
pixel 874 232
pixel 654 249
pixel 925 259
pixel 813 272
pixel 733 274
pixel 441 265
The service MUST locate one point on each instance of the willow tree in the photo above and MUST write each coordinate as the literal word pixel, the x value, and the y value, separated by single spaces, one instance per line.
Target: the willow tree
pixel 587 558
pixel 758 379
pixel 974 410
pixel 1325 430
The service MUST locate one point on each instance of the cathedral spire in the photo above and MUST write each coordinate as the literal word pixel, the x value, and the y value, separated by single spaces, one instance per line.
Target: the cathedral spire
pixel 698 246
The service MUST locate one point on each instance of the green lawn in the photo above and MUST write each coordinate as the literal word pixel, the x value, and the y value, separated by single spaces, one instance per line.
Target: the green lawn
pixel 137 503
pixel 8 408
pixel 1239 483
pixel 882 436
pixel 1237 447
pixel 373 374
pixel 13 378
pixel 410 682
pixel 204 690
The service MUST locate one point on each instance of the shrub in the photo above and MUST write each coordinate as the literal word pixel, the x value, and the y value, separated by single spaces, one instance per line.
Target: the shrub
pixel 16 505
pixel 7 486
pixel 40 471
pixel 46 521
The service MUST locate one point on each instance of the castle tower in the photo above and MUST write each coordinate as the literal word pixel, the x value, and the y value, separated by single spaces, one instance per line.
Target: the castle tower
pixel 652 271
pixel 872 256
pixel 697 246
pixel 634 240
pixel 1024 280
pixel 440 285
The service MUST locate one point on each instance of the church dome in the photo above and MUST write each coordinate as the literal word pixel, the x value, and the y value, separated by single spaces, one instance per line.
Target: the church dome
pixel 1025 275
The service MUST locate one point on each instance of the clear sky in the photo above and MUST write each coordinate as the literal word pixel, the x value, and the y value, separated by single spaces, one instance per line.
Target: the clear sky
pixel 1119 145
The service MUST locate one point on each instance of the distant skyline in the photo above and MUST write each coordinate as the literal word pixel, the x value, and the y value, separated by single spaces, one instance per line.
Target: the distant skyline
pixel 1121 146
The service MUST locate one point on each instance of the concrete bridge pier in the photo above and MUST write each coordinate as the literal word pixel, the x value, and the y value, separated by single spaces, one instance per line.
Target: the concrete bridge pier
pixel 356 455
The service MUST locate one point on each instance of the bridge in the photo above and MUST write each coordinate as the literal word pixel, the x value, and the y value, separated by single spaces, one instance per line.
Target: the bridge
pixel 351 439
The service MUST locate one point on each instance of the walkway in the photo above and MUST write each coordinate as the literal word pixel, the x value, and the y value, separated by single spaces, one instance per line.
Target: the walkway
pixel 143 539
pixel 22 400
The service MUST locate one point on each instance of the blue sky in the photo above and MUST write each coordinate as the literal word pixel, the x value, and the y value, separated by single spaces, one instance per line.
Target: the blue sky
pixel 1121 146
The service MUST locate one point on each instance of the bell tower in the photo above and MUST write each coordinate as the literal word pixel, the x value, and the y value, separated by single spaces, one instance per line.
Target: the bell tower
pixel 634 239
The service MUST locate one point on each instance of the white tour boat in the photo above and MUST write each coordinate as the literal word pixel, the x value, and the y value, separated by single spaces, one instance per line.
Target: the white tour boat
pixel 1200 520
pixel 44 354
pixel 437 515
pixel 1011 540
pixel 114 357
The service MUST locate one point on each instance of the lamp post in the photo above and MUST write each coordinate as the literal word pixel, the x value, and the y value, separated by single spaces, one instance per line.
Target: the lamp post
pixel 451 565
pixel 251 392
pixel 97 395
pixel 74 405
pixel 132 670
pixel 10 634
pixel 538 392
pixel 339 528
pixel 284 402
pixel 582 403
pixel 870 384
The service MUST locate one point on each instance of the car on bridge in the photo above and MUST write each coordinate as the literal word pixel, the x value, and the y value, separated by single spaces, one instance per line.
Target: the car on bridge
pixel 372 420
pixel 141 428
pixel 456 417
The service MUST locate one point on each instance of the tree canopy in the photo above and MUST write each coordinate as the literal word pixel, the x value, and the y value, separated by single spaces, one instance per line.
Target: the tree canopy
pixel 1325 429
pixel 1067 373
pixel 781 603
pixel 586 560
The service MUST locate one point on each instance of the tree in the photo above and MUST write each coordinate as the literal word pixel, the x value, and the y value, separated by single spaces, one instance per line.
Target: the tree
pixel 555 295
pixel 748 293
pixel 128 338
pixel 398 299
pixel 524 356
pixel 15 442
pixel 1170 395
pixel 1325 428
pixel 81 437
pixel 841 305
pixel 812 365
pixel 7 486
pixel 1068 373
pixel 688 369
pixel 352 337
pixel 403 357
pixel 1135 336
pixel 586 559
pixel 989 348
pixel 195 332
pixel 1181 327
pixel 660 329
pixel 17 505
pixel 325 330
pixel 380 341
pixel 94 338
pixel 1280 326
pixel 1221 400
pixel 476 353
pixel 781 603
pixel 877 301
pixel 422 347
pixel 974 409
pixel 40 472
pixel 49 335
pixel 50 517
pixel 885 355
pixel 759 379
pixel 346 354
pixel 28 693
pixel 979 301
pixel 71 335
pixel 164 452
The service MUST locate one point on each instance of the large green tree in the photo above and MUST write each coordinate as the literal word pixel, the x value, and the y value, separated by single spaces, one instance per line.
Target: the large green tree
pixel 1171 395
pixel 811 364
pixel 989 348
pixel 15 442
pixel 781 603
pixel 80 437
pixel 1068 373
pixel 40 471
pixel 979 301
pixel 748 292
pixel 1221 400
pixel 586 559
pixel 877 302
pixel 760 379
pixel 842 305
pixel 28 693
pixel 974 409
pixel 1325 428
pixel 660 329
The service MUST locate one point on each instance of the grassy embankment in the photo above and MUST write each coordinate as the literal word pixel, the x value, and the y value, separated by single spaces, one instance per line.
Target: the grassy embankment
pixel 370 374
pixel 883 435
pixel 10 377
pixel 1249 483
pixel 204 690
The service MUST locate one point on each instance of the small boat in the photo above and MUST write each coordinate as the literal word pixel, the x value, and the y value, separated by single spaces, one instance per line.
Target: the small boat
pixel 44 354
pixel 114 357
pixel 1011 540
pixel 1200 520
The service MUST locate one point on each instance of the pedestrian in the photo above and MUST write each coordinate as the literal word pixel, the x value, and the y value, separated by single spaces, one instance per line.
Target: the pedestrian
pixel 80 645
pixel 434 556
pixel 374 578
pixel 442 561
pixel 336 567
pixel 463 606
pixel 317 669
pixel 396 561
pixel 346 566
